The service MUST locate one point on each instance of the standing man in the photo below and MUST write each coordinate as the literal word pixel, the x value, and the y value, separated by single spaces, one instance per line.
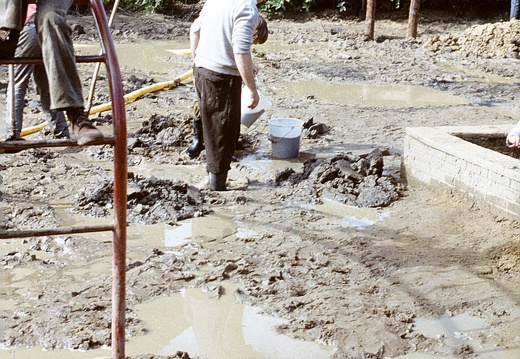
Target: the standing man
pixel 59 61
pixel 220 41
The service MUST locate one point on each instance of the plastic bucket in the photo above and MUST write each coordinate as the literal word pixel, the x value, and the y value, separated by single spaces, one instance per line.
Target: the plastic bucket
pixel 249 116
pixel 285 137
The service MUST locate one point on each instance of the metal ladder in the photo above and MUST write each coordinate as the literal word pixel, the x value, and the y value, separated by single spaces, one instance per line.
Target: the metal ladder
pixel 108 56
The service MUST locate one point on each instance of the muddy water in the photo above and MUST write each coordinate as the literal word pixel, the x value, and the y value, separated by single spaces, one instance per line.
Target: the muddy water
pixel 158 58
pixel 182 321
pixel 164 59
pixel 371 95
pixel 204 327
pixel 219 329
pixel 458 331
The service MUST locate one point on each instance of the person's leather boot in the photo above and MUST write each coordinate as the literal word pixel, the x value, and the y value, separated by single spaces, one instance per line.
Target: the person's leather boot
pixel 217 181
pixel 8 42
pixel 83 128
pixel 197 145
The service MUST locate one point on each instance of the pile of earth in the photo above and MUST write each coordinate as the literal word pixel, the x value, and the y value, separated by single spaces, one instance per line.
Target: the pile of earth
pixel 162 136
pixel 492 40
pixel 355 180
pixel 159 135
pixel 150 200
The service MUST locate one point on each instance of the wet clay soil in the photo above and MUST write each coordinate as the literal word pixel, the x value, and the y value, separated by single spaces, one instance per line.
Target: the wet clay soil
pixel 358 289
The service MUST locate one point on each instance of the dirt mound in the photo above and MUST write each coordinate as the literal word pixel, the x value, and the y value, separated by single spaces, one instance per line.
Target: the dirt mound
pixel 150 200
pixel 159 133
pixel 355 180
pixel 493 40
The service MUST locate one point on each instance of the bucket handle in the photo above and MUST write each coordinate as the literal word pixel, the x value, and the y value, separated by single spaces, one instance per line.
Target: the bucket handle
pixel 281 138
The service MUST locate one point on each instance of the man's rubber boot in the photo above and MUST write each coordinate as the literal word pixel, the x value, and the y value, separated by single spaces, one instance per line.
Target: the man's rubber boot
pixel 217 181
pixel 198 140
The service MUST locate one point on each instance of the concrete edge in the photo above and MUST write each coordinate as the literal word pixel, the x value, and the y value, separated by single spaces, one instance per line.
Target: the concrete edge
pixel 437 156
pixel 444 138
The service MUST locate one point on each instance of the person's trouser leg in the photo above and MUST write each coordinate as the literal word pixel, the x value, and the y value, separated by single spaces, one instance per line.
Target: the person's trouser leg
pixel 60 64
pixel 515 9
pixel 197 144
pixel 15 11
pixel 58 54
pixel 56 119
pixel 14 17
pixel 28 46
pixel 219 102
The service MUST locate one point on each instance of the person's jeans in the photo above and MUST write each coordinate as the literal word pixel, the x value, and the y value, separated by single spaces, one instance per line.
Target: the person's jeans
pixel 29 46
pixel 515 10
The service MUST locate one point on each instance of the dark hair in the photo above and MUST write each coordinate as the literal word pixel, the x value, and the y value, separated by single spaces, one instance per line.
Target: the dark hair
pixel 261 32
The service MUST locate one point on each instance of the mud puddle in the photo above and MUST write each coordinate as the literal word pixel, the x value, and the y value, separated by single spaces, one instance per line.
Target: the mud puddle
pixel 476 75
pixel 370 95
pixel 230 226
pixel 208 328
pixel 159 58
pixel 216 329
pixel 350 216
pixel 202 229
pixel 355 278
pixel 462 331
pixel 179 321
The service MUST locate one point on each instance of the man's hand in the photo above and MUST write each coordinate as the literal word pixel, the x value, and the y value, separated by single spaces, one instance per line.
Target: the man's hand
pixel 246 68
pixel 254 97
pixel 513 141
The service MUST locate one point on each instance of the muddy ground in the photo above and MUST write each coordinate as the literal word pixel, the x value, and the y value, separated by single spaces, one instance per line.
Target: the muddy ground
pixel 434 252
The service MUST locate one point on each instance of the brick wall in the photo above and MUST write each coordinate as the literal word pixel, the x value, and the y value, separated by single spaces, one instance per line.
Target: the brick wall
pixel 435 155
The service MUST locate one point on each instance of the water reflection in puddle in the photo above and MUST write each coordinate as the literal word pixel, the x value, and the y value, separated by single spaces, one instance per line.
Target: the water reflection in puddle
pixel 370 95
pixel 202 228
pixel 177 236
pixel 218 225
pixel 350 216
pixel 455 332
pixel 216 329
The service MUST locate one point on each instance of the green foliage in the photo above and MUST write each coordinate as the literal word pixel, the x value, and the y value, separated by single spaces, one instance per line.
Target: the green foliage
pixel 150 6
pixel 287 5
pixel 342 6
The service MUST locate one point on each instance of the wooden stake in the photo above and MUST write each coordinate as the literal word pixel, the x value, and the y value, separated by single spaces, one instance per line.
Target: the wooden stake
pixel 370 19
pixel 413 18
